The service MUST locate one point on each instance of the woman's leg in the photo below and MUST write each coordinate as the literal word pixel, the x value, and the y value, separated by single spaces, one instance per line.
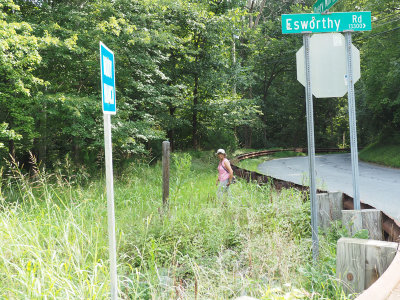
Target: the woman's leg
pixel 223 189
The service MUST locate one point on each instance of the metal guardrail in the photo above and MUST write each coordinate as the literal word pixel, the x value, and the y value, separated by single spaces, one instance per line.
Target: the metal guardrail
pixel 390 227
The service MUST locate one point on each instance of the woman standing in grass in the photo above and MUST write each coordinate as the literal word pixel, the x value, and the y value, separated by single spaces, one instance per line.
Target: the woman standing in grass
pixel 225 173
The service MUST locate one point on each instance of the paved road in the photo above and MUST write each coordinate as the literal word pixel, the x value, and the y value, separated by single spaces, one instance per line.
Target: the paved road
pixel 379 186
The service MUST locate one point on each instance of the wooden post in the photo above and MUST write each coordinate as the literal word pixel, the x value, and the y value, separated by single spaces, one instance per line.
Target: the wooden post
pixel 370 219
pixel 350 264
pixel 359 262
pixel 165 165
pixel 330 206
pixel 387 286
pixel 352 220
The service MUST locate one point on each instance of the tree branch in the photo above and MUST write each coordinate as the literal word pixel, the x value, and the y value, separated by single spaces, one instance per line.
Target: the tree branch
pixel 260 12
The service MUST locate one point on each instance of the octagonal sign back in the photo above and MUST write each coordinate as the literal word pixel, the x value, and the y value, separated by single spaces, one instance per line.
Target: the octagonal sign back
pixel 328 65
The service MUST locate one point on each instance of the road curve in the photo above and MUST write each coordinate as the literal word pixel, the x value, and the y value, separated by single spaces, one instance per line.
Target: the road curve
pixel 379 186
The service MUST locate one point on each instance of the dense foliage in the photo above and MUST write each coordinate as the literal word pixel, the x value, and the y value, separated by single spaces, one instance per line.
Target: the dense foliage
pixel 203 74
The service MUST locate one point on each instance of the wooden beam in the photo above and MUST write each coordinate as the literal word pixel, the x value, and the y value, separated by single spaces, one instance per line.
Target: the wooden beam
pixel 360 262
pixel 330 206
pixel 370 219
pixel 350 264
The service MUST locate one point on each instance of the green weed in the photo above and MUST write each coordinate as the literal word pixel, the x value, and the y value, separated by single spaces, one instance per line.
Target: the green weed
pixel 54 237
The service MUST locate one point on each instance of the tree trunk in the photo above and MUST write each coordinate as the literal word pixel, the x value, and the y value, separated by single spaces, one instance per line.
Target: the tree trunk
pixel 194 120
pixel 42 155
pixel 260 13
pixel 171 131
pixel 170 135
pixel 76 150
pixel 250 4
pixel 248 137
pixel 267 83
pixel 11 149
pixel 265 136
pixel 234 66
pixel 251 137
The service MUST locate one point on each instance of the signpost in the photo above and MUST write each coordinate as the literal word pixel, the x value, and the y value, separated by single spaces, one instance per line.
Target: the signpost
pixel 323 5
pixel 334 22
pixel 311 147
pixel 320 23
pixel 352 122
pixel 107 64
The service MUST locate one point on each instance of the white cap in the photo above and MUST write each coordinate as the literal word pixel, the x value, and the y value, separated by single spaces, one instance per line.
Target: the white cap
pixel 222 151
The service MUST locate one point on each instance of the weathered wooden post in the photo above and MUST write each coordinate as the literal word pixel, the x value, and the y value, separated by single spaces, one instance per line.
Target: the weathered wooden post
pixel 330 206
pixel 361 262
pixel 370 219
pixel 165 165
pixel 352 220
pixel 387 286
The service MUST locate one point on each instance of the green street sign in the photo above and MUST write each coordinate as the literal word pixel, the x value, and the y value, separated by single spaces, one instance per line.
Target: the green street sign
pixel 323 5
pixel 332 22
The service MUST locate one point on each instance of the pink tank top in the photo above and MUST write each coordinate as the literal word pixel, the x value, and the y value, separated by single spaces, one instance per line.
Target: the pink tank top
pixel 222 173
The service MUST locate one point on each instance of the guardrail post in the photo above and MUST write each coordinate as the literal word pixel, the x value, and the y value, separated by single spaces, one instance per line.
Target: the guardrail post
pixel 387 286
pixel 359 262
pixel 370 219
pixel 352 220
pixel 330 206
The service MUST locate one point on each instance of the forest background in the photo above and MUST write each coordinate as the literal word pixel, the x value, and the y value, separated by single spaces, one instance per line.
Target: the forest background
pixel 203 74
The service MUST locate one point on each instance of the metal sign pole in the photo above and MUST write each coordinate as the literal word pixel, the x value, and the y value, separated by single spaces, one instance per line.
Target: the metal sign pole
pixel 311 146
pixel 110 207
pixel 352 121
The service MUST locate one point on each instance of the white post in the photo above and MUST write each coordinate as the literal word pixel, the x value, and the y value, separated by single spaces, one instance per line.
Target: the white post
pixel 110 207
pixel 352 122
pixel 311 147
pixel 165 172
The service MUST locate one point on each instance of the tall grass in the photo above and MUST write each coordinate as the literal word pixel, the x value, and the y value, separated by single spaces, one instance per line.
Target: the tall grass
pixel 53 238
pixel 53 243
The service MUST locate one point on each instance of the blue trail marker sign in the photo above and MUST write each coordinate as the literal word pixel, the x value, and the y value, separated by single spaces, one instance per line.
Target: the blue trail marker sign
pixel 334 22
pixel 323 5
pixel 107 63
